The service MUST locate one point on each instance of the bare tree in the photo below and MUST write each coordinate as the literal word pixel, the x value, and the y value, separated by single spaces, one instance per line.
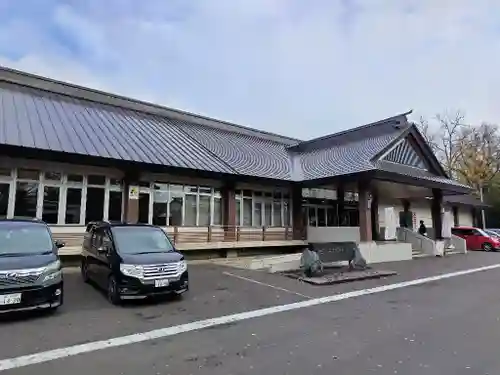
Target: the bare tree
pixel 444 137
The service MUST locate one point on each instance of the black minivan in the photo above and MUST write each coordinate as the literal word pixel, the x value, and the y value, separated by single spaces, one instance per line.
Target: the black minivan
pixel 132 261
pixel 30 269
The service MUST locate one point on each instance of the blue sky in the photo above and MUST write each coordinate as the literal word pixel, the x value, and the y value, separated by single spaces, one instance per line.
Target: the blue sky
pixel 295 67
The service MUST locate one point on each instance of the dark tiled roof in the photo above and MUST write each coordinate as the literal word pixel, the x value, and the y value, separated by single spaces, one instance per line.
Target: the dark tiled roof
pixel 48 121
pixel 467 200
pixel 347 158
pixel 48 116
pixel 416 173
pixel 246 154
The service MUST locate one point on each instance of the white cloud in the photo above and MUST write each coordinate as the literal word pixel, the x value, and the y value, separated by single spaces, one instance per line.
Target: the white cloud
pixel 299 68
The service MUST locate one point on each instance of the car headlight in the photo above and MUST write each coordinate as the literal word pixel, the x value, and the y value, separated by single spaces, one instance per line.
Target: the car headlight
pixel 132 270
pixel 182 266
pixel 52 271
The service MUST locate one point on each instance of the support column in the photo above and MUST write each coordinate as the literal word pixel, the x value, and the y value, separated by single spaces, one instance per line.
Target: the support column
pixel 374 216
pixel 340 204
pixel 437 213
pixel 229 212
pixel 365 217
pixel 297 217
pixel 131 198
pixel 456 216
pixel 404 222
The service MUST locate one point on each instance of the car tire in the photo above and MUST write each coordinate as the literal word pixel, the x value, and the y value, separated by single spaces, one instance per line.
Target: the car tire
pixel 487 246
pixel 112 291
pixel 84 269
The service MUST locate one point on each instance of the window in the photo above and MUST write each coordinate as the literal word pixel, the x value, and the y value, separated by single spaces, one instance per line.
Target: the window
pixel 73 205
pixel 204 210
pixel 75 178
pixel 312 216
pixel 238 212
pixel 160 206
pixel 52 176
pixel 191 210
pixel 176 205
pixel 143 208
pixel 94 208
pixel 4 199
pixel 277 214
pixel 247 212
pixel 321 217
pixel 26 199
pixel 115 206
pixel 5 172
pixel 217 218
pixel 268 213
pixel 96 180
pixel 50 207
pixel 28 174
pixel 258 214
pixel 286 213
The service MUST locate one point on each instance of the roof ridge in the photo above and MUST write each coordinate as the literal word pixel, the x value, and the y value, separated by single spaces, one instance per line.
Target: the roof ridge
pixel 22 78
pixel 332 136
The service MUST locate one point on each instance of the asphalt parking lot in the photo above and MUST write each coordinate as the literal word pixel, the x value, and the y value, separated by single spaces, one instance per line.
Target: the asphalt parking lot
pixel 219 291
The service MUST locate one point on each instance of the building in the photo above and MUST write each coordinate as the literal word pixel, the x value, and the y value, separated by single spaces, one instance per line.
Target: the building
pixel 71 155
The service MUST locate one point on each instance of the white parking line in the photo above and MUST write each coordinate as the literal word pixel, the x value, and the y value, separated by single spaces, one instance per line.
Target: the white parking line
pixel 264 284
pixel 51 355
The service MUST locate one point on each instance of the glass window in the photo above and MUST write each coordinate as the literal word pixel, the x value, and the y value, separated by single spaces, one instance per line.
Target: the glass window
pixel 96 180
pixel 247 212
pixel 268 214
pixel 190 213
pixel 5 172
pixel 144 184
pixel 321 217
pixel 331 217
pixel 115 206
pixel 160 186
pixel 277 214
pixel 286 214
pixel 238 212
pixel 26 199
pixel 73 205
pixel 191 189
pixel 50 204
pixel 257 214
pixel 204 211
pixel 94 209
pixel 75 178
pixel 160 207
pixel 53 176
pixel 143 208
pixel 115 182
pixel 4 199
pixel 217 220
pixel 28 174
pixel 247 193
pixel 176 206
pixel 312 216
pixel 205 190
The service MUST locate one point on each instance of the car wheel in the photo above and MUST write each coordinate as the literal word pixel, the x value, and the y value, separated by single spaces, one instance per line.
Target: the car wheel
pixel 487 246
pixel 113 293
pixel 84 268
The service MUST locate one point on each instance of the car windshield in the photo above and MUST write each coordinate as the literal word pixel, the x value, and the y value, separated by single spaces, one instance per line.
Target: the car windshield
pixel 24 239
pixel 491 233
pixel 141 240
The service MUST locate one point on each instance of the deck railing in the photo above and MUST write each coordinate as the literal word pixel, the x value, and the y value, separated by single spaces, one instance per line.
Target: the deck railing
pixel 208 234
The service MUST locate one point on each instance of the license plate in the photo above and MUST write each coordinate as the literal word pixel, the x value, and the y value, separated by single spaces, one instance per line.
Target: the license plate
pixel 10 299
pixel 161 283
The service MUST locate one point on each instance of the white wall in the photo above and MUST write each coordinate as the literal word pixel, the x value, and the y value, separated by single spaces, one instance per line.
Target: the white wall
pixel 465 216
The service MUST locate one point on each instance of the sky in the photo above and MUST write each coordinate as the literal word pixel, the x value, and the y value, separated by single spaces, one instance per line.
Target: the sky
pixel 301 68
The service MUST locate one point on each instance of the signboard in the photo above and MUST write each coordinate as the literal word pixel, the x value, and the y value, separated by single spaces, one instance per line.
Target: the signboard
pixel 133 192
pixel 390 223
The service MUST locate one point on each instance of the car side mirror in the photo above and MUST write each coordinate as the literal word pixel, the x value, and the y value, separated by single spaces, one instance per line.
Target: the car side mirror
pixel 59 244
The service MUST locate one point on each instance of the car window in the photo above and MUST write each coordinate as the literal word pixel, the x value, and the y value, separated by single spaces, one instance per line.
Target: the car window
pixel 133 240
pixel 24 238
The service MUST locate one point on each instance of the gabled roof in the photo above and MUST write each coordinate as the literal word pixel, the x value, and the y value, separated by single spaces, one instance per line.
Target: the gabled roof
pixel 42 114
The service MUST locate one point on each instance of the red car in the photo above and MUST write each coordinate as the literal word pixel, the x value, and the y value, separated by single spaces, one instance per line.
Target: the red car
pixel 477 239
